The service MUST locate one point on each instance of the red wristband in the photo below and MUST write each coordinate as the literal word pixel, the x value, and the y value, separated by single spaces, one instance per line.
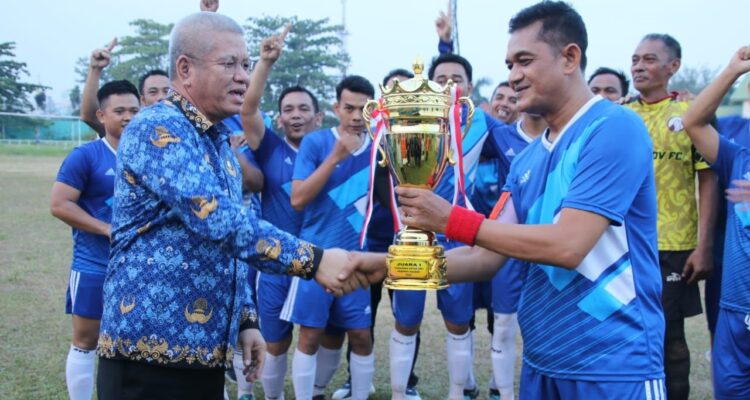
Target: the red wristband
pixel 463 225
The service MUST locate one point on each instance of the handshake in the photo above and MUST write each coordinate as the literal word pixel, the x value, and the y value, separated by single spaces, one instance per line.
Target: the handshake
pixel 341 272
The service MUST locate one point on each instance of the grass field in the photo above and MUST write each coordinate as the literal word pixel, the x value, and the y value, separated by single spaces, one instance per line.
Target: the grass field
pixel 35 333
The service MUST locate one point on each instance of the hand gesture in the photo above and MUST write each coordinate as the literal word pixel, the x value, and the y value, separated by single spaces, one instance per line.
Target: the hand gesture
pixel 740 62
pixel 365 268
pixel 346 145
pixel 329 269
pixel 270 47
pixel 421 208
pixel 100 58
pixel 209 5
pixel 740 193
pixel 237 141
pixel 444 25
pixel 253 353
pixel 698 266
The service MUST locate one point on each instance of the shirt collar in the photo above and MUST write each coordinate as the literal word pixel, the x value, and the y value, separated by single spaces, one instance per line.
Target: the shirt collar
pixel 196 118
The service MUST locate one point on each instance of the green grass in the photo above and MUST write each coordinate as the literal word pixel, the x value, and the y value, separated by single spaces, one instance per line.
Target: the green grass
pixel 35 333
pixel 37 150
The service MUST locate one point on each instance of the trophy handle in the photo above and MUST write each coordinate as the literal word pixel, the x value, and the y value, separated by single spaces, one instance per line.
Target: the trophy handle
pixel 469 116
pixel 367 116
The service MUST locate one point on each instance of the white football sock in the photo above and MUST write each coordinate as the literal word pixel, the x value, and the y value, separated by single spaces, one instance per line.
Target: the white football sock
pixel 504 353
pixel 362 369
pixel 273 375
pixel 458 350
pixel 79 373
pixel 303 374
pixel 471 381
pixel 328 363
pixel 401 358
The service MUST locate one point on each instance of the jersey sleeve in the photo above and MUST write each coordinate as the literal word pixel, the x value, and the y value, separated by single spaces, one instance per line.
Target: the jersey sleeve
pixel 725 160
pixel 307 158
pixel 267 146
pixel 613 163
pixel 75 170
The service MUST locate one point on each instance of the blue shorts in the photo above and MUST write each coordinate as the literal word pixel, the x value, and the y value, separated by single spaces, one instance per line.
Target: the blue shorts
pixel 506 286
pixel 271 290
pixel 537 386
pixel 730 356
pixel 84 296
pixel 309 305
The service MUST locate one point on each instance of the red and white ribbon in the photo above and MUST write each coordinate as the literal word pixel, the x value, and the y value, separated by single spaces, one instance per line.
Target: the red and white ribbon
pixel 377 119
pixel 454 122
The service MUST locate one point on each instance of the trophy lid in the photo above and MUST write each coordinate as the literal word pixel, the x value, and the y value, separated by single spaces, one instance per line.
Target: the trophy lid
pixel 416 85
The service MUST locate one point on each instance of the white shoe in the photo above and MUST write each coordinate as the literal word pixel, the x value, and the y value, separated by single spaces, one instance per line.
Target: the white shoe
pixel 345 392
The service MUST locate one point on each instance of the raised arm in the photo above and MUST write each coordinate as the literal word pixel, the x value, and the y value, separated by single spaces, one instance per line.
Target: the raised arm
pixel 700 113
pixel 100 58
pixel 252 119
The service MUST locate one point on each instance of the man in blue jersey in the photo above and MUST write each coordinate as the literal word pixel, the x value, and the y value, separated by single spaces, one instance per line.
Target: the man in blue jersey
pixel 730 357
pixel 298 115
pixel 82 198
pixel 330 185
pixel 579 206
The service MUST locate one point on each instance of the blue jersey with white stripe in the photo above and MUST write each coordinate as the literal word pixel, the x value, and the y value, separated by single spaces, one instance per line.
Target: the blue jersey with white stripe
pixel 472 144
pixel 276 157
pixel 603 320
pixel 503 144
pixel 335 217
pixel 90 168
pixel 732 163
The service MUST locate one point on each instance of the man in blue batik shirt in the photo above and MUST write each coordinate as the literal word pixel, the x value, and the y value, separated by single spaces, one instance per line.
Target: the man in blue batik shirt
pixel 176 297
pixel 730 357
pixel 580 208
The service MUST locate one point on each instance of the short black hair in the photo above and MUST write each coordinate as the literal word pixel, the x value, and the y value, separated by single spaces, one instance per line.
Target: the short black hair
pixel 499 85
pixel 561 25
pixel 624 82
pixel 153 72
pixel 299 89
pixel 356 84
pixel 673 46
pixel 450 58
pixel 397 72
pixel 116 87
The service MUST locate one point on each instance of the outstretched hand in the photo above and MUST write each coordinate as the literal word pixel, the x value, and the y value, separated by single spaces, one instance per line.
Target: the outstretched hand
pixel 270 47
pixel 740 193
pixel 740 62
pixel 364 268
pixel 100 58
pixel 209 5
pixel 444 25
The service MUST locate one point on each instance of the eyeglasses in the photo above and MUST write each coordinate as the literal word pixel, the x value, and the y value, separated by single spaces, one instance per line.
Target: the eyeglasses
pixel 231 64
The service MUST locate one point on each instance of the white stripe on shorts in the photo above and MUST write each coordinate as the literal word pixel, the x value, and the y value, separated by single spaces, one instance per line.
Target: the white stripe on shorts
pixel 75 277
pixel 291 296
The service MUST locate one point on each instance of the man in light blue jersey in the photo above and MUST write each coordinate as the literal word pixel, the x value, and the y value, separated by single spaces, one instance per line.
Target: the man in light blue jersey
pixel 82 198
pixel 298 115
pixel 579 206
pixel 730 356
pixel 330 185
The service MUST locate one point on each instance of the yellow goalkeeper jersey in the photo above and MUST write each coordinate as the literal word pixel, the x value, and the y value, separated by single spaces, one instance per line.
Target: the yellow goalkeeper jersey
pixel 675 164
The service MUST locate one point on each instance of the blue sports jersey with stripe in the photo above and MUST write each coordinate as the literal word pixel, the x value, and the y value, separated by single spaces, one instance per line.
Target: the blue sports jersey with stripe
pixel 335 217
pixel 276 158
pixel 733 163
pixel 602 320
pixel 90 168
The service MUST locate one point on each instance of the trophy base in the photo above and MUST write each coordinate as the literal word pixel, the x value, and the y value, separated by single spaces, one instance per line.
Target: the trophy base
pixel 415 262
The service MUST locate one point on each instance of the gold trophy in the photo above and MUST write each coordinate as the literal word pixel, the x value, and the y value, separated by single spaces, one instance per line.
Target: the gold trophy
pixel 417 151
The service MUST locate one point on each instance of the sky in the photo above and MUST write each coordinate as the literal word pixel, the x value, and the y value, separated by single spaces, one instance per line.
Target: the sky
pixel 51 35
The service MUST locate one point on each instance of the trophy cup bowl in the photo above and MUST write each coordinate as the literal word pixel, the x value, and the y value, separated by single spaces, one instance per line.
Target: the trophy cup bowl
pixel 416 149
